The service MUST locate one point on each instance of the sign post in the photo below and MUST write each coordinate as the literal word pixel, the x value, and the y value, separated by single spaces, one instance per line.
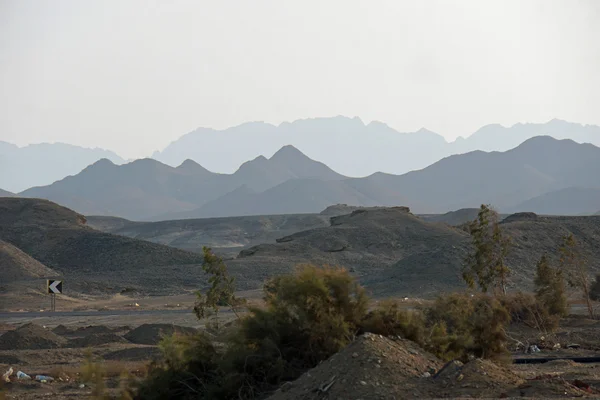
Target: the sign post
pixel 54 287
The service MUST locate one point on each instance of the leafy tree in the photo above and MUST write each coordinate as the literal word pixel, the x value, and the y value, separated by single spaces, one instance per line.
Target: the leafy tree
pixel 575 267
pixel 221 291
pixel 550 288
pixel 486 266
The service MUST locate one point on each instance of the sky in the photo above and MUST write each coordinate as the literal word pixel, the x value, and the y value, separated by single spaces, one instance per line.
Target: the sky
pixel 133 75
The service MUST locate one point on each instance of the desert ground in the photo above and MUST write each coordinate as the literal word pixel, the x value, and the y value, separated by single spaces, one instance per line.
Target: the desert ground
pixel 122 334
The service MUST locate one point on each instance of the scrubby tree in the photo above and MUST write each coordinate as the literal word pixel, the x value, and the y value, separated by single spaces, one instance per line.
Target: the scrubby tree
pixel 550 288
pixel 575 267
pixel 485 266
pixel 221 292
pixel 595 289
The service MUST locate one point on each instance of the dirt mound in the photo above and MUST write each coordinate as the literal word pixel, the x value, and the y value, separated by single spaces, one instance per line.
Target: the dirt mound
pixel 561 363
pixel 31 337
pixel 94 329
pixel 17 265
pixel 153 333
pixel 9 360
pixel 134 354
pixel 96 339
pixel 63 330
pixel 372 367
pixel 478 377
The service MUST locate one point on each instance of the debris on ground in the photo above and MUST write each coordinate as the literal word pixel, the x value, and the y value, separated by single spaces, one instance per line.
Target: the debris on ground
pixel 152 334
pixel 7 374
pixel 31 337
pixel 22 375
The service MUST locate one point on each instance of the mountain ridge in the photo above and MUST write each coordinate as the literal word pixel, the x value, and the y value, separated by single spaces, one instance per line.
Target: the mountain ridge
pixel 290 182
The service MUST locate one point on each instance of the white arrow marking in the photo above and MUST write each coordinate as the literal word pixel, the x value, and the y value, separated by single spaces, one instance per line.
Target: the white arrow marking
pixel 53 286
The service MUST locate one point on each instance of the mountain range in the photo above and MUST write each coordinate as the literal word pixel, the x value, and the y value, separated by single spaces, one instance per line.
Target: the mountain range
pixel 347 145
pixel 44 163
pixel 540 172
pixel 353 148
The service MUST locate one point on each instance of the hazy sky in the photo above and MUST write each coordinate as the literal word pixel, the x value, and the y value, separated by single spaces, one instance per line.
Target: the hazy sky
pixel 132 76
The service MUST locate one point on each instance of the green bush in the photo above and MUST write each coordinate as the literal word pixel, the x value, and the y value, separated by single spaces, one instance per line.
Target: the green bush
pixel 309 316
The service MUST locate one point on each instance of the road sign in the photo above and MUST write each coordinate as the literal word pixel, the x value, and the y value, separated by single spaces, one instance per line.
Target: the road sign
pixel 54 287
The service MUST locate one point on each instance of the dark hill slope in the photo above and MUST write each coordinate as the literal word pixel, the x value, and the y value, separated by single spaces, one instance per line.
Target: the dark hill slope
pixel 368 242
pixel 17 265
pixel 396 253
pixel 59 238
pixel 227 236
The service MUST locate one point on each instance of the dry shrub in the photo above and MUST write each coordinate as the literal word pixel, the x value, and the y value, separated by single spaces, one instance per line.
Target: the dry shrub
pixel 389 320
pixel 308 316
pixel 525 308
pixel 463 325
pixel 595 289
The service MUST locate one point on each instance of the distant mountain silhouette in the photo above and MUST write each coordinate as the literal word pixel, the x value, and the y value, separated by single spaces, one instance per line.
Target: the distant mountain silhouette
pixel 290 182
pixel 4 193
pixel 353 148
pixel 496 137
pixel 568 201
pixel 504 179
pixel 45 163
pixel 146 188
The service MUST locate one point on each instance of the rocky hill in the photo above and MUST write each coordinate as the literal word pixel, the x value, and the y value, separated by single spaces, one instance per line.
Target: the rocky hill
pixel 369 243
pixel 5 193
pixel 396 253
pixel 90 260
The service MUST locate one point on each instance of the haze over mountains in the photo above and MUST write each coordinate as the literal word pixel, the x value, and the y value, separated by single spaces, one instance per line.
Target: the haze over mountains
pixel 44 163
pixel 347 145
pixel 563 171
pixel 353 148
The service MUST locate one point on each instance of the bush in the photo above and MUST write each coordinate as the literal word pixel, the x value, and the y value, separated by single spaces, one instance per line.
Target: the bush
pixel 595 289
pixel 389 320
pixel 308 317
pixel 550 289
pixel 525 308
pixel 464 325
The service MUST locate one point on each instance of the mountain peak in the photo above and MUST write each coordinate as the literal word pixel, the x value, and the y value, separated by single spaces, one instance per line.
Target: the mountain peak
pixel 286 152
pixel 191 167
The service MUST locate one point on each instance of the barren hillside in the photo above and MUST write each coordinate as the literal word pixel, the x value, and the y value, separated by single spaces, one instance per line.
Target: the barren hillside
pixel 88 259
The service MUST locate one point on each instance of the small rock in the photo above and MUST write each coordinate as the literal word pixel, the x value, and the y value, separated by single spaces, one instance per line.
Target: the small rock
pixel 426 375
pixel 363 383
